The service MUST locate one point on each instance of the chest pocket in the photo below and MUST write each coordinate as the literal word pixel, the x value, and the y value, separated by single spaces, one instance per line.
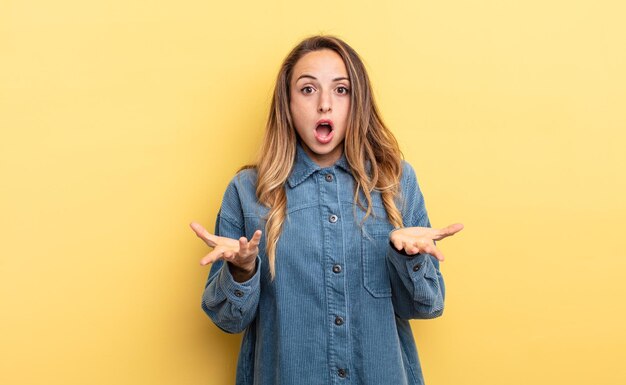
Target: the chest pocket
pixel 374 247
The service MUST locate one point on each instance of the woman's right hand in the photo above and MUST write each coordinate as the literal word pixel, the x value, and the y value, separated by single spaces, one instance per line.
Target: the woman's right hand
pixel 241 254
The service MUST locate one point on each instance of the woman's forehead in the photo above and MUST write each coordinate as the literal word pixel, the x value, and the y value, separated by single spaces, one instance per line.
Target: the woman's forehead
pixel 323 64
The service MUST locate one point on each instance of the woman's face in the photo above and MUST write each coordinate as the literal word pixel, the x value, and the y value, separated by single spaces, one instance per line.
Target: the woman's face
pixel 320 103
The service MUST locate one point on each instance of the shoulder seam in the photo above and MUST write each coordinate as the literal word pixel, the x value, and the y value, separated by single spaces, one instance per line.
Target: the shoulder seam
pixel 230 220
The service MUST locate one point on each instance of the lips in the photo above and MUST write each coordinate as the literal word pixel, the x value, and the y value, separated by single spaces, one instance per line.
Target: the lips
pixel 324 131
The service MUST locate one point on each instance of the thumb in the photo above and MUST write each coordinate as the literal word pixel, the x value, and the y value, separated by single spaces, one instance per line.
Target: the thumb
pixel 449 231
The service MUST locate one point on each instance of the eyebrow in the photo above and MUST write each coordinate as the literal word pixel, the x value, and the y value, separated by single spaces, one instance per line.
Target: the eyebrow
pixel 314 78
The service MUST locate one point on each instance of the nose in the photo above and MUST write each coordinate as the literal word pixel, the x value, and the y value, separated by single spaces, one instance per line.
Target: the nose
pixel 324 102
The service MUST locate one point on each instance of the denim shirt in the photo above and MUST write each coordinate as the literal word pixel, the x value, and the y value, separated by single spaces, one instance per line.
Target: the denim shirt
pixel 337 311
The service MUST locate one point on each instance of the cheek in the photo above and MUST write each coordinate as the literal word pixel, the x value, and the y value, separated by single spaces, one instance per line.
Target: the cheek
pixel 298 110
pixel 345 111
pixel 293 109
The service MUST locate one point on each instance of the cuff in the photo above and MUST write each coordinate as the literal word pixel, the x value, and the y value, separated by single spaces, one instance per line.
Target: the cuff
pixel 239 292
pixel 416 266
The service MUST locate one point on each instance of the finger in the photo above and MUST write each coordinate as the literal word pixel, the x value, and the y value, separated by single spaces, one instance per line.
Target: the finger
pixel 395 238
pixel 228 255
pixel 248 249
pixel 407 247
pixel 203 234
pixel 449 231
pixel 197 228
pixel 256 238
pixel 213 256
pixel 411 250
pixel 243 245
pixel 434 251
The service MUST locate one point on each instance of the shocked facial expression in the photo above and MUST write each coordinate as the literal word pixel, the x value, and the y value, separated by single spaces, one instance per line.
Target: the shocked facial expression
pixel 319 104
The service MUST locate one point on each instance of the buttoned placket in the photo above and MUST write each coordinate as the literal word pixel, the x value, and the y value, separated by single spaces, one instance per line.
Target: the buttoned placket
pixel 322 242
pixel 335 278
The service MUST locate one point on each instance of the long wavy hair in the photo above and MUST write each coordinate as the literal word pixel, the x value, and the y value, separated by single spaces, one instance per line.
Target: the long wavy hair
pixel 367 141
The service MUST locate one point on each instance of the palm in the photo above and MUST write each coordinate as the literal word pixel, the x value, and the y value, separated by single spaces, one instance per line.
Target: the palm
pixel 415 240
pixel 241 253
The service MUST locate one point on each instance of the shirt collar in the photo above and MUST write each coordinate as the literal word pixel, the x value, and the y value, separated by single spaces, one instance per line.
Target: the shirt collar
pixel 304 166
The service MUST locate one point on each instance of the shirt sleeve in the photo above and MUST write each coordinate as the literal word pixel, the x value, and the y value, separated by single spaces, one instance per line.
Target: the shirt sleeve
pixel 231 305
pixel 416 281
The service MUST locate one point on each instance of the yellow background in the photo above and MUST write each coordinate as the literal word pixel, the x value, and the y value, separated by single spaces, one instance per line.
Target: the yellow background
pixel 123 121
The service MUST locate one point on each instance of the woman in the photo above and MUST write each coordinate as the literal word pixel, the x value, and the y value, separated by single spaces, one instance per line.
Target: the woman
pixel 348 254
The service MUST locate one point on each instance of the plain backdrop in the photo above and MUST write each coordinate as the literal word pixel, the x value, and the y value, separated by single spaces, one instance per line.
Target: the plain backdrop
pixel 123 121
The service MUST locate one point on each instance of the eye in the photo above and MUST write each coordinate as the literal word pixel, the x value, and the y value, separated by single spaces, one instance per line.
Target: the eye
pixel 307 90
pixel 341 90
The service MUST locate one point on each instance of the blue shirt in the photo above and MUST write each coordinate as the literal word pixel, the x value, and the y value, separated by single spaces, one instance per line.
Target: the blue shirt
pixel 337 311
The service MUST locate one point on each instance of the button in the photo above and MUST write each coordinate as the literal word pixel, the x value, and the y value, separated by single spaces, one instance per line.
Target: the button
pixel 338 321
pixel 416 267
pixel 238 293
pixel 333 218
pixel 329 177
pixel 341 373
pixel 337 269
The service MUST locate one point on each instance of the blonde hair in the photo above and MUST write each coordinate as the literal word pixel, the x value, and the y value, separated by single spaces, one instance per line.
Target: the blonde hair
pixel 367 140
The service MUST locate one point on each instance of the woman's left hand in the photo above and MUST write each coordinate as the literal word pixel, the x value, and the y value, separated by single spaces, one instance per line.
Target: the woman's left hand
pixel 415 240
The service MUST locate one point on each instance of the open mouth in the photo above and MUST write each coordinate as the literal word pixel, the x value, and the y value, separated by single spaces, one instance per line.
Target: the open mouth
pixel 324 131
